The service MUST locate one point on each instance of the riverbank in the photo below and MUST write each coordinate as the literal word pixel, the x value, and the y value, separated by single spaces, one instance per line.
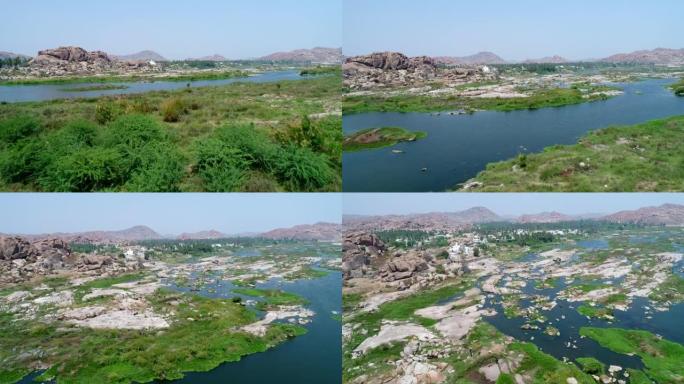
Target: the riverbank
pixel 271 136
pixel 643 157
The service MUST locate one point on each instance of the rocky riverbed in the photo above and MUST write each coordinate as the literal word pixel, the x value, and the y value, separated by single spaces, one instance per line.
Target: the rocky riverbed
pixel 138 297
pixel 483 317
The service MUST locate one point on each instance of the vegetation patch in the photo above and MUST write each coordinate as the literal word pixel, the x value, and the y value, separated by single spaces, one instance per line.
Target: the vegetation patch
pixel 272 296
pixel 197 139
pixel 372 138
pixel 202 337
pixel 663 359
pixel 643 157
pixel 591 366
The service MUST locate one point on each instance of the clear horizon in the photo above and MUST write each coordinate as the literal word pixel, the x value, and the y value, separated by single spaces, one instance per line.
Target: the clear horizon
pixel 503 204
pixel 165 213
pixel 525 29
pixel 175 30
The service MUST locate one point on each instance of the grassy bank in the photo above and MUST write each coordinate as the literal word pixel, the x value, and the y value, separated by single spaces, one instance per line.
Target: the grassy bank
pixel 372 138
pixel 643 157
pixel 202 336
pixel 663 359
pixel 543 98
pixel 237 137
pixel 205 75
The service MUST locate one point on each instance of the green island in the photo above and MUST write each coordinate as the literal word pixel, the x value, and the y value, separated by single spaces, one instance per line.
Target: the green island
pixel 281 136
pixel 372 138
pixel 678 88
pixel 538 98
pixel 100 87
pixel 663 359
pixel 642 157
pixel 272 296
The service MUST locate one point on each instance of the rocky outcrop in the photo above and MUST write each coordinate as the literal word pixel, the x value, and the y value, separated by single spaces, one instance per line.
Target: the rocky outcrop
pixel 70 54
pixel 76 61
pixel 382 69
pixel 361 253
pixel 403 266
pixel 22 259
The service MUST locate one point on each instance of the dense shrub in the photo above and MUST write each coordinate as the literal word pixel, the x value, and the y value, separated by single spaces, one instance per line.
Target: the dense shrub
pixel 300 169
pixel 17 128
pixel 258 148
pixel 132 153
pixel 87 169
pixel 132 132
pixel 172 109
pixel 221 166
pixel 23 161
pixel 105 112
pixel 159 168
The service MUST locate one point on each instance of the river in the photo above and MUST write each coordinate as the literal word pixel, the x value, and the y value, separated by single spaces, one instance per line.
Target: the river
pixel 459 146
pixel 43 92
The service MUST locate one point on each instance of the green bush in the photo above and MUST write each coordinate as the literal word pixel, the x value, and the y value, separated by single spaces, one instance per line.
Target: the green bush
pixel 105 112
pixel 258 148
pixel 300 169
pixel 221 166
pixel 17 128
pixel 159 168
pixel 172 109
pixel 133 132
pixel 23 161
pixel 86 169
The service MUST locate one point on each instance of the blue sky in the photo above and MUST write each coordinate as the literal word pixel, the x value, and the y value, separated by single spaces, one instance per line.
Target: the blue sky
pixel 166 213
pixel 176 29
pixel 512 29
pixel 502 203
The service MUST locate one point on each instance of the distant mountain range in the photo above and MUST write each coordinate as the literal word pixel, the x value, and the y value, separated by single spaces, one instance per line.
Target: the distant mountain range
pixel 555 59
pixel 140 56
pixel 654 56
pixel 318 231
pixel 667 214
pixel 318 55
pixel 214 57
pixel 11 55
pixel 662 56
pixel 478 58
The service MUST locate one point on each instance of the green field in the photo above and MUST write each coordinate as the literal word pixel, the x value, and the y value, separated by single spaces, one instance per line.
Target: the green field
pixel 643 157
pixel 372 138
pixel 282 136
